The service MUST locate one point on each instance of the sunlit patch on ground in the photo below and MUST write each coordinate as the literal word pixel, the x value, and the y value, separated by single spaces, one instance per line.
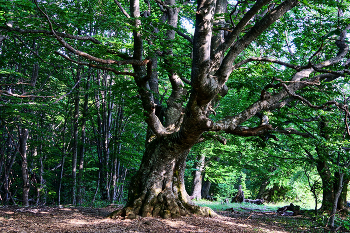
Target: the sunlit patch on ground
pixel 78 222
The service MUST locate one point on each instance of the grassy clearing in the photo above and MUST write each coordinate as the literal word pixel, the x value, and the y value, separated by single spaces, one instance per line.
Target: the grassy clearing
pixel 306 223
pixel 292 224
pixel 216 205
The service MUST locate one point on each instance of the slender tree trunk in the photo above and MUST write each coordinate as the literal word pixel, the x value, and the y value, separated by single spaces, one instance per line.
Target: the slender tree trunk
pixel 336 198
pixel 23 137
pixel 82 146
pixel 342 203
pixel 206 189
pixel 116 172
pixel 327 186
pixel 262 189
pixel 63 158
pixel 197 179
pixel 97 187
pixel 7 170
pixel 118 130
pixel 8 162
pixel 103 136
pixel 41 172
pixel 75 138
pixel 120 192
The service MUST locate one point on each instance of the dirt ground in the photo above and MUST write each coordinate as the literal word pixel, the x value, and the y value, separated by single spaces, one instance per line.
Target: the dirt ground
pixel 82 219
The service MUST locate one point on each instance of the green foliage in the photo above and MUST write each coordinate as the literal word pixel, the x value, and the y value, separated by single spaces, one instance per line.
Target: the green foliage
pixel 251 162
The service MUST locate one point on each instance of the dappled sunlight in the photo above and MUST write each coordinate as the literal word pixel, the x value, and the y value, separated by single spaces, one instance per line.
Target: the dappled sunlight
pixel 8 212
pixel 262 226
pixel 227 221
pixel 179 224
pixel 65 209
pixel 79 222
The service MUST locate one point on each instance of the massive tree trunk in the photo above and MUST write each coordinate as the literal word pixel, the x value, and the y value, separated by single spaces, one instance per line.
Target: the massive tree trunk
pixel 158 188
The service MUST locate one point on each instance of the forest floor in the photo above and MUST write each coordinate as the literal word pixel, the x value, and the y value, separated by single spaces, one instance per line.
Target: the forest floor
pixel 84 219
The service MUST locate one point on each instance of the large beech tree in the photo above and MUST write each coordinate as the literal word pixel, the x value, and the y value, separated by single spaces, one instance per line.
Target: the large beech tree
pixel 179 101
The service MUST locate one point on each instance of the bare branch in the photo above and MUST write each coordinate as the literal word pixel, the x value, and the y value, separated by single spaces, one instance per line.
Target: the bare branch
pixel 62 96
pixel 226 67
pixel 306 82
pixel 86 55
pixel 187 37
pixel 288 131
pixel 122 9
pixel 265 59
pixel 14 84
pixel 280 99
pixel 233 11
pixel 163 7
pixel 185 80
pixel 231 38
pixel 288 44
pixel 343 50
pixel 219 138
pixel 95 66
pixel 328 103
pixel 246 132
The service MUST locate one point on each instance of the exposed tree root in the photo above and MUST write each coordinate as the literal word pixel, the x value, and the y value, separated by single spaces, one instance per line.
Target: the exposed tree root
pixel 163 205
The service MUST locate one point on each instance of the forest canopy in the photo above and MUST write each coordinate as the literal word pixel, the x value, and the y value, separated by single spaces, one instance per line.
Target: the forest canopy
pixel 148 103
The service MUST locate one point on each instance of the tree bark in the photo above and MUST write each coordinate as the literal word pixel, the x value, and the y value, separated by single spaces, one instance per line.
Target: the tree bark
pixel 158 188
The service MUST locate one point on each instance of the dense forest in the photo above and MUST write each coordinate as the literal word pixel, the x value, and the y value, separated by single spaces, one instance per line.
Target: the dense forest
pixel 154 104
